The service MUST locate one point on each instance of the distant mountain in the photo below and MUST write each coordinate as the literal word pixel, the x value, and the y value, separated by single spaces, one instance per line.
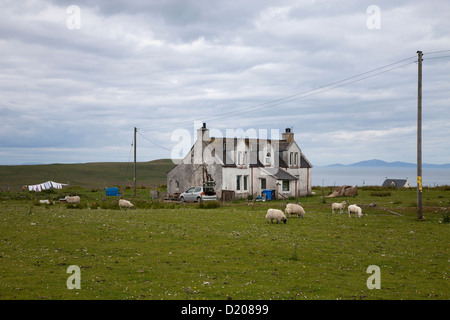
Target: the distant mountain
pixel 396 164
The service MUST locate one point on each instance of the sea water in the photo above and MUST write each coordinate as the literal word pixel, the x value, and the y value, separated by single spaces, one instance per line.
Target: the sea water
pixel 375 176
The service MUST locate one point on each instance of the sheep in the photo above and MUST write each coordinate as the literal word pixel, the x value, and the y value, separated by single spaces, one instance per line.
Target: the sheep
pixel 275 214
pixel 75 199
pixel 125 204
pixel 338 206
pixel 292 208
pixel 355 209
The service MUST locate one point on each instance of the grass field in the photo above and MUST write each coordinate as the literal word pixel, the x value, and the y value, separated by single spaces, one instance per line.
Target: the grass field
pixel 86 175
pixel 174 251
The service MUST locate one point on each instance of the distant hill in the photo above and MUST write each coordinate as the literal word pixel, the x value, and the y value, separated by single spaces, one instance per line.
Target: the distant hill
pixel 397 164
pixel 88 175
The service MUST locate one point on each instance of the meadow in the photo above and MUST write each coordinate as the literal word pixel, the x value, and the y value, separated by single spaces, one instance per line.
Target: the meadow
pixel 224 251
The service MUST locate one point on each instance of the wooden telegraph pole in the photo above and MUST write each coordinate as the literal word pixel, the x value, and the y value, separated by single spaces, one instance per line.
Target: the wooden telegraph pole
pixel 134 177
pixel 419 137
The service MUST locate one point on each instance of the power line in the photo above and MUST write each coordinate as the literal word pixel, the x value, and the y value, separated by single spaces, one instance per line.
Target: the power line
pixel 302 94
pixel 434 52
pixel 152 141
pixel 328 89
pixel 441 57
pixel 306 93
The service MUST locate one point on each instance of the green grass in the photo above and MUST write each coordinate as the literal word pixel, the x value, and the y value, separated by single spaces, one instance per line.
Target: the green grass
pixel 86 175
pixel 174 251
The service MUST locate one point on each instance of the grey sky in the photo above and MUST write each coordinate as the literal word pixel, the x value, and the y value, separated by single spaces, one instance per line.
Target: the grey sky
pixel 75 95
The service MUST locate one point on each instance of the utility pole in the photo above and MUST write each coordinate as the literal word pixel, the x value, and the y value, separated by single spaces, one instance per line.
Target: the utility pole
pixel 134 177
pixel 419 137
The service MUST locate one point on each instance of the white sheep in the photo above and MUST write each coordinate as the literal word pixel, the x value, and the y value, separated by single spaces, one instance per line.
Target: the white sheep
pixel 338 206
pixel 125 204
pixel 75 199
pixel 355 209
pixel 296 209
pixel 275 214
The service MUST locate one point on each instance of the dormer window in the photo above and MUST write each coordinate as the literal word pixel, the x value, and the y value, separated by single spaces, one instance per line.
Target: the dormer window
pixel 268 158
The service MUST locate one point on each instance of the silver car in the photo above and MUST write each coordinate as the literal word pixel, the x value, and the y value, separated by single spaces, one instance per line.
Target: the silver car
pixel 197 194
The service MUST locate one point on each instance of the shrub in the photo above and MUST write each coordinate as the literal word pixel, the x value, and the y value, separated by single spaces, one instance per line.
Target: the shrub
pixel 446 217
pixel 380 194
pixel 209 205
pixel 76 205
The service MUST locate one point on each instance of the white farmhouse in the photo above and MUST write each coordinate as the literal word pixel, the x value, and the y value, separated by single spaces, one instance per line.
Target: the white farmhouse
pixel 243 167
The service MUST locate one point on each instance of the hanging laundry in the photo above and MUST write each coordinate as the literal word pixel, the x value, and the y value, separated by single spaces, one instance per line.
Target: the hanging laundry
pixel 45 186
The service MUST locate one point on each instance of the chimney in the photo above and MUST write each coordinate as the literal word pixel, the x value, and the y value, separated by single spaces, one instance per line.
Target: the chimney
pixel 288 135
pixel 203 133
pixel 202 137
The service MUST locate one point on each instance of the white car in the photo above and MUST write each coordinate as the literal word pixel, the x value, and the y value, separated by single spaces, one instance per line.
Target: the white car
pixel 197 194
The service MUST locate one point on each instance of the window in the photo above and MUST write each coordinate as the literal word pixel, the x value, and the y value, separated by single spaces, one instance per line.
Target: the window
pixel 242 158
pixel 177 185
pixel 285 185
pixel 296 159
pixel 290 158
pixel 263 183
pixel 245 183
pixel 238 182
pixel 268 158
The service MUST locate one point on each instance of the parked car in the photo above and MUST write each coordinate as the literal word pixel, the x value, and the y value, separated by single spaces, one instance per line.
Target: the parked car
pixel 199 193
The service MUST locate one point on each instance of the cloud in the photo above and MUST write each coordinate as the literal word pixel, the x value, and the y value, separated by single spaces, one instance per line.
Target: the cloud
pixel 76 95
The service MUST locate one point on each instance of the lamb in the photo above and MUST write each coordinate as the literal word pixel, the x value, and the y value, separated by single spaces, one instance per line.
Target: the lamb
pixel 275 214
pixel 338 206
pixel 355 209
pixel 292 208
pixel 75 199
pixel 125 204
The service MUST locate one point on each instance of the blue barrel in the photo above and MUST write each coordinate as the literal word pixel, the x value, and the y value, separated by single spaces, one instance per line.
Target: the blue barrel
pixel 112 192
pixel 268 194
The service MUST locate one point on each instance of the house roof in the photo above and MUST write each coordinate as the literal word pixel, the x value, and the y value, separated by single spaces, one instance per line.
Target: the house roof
pixel 394 183
pixel 283 145
pixel 280 174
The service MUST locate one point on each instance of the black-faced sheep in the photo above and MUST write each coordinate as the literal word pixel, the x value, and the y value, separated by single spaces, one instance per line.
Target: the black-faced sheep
pixel 295 209
pixel 125 204
pixel 275 214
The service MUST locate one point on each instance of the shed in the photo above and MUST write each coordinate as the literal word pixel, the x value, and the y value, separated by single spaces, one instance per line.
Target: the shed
pixel 398 183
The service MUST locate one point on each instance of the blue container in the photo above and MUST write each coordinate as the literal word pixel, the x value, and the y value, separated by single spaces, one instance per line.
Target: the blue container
pixel 269 194
pixel 113 192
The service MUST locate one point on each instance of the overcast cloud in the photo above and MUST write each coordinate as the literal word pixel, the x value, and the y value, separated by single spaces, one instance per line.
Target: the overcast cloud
pixel 75 94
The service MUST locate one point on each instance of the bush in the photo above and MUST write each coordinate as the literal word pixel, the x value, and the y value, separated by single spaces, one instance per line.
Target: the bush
pixel 446 217
pixel 381 194
pixel 209 205
pixel 76 205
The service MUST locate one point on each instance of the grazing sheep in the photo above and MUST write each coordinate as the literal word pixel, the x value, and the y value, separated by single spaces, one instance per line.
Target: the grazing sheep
pixel 125 204
pixel 296 209
pixel 338 206
pixel 75 199
pixel 275 214
pixel 355 209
